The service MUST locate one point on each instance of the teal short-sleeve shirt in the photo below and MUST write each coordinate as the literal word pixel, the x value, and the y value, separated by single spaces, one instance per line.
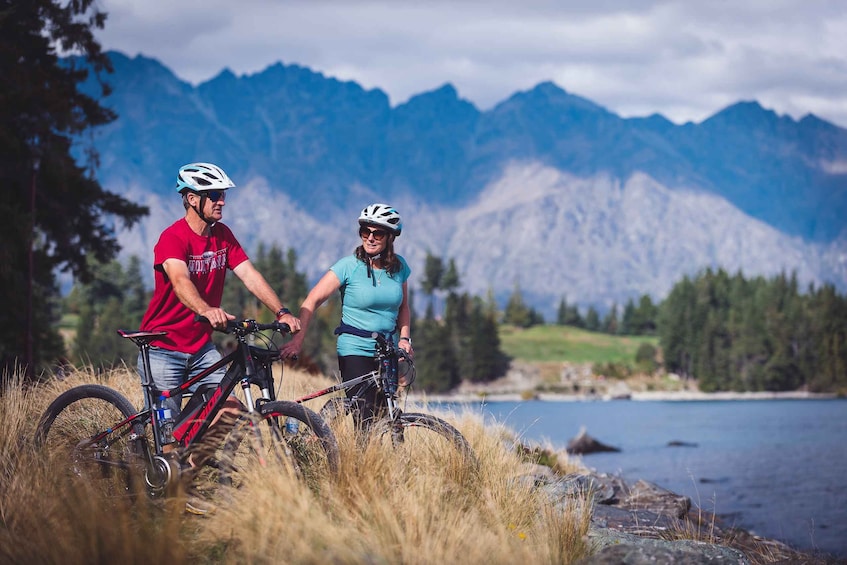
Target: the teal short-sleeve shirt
pixel 368 303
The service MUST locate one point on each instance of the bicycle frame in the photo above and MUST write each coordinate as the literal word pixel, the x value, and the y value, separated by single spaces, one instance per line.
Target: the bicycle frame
pixel 386 355
pixel 190 430
pixel 390 421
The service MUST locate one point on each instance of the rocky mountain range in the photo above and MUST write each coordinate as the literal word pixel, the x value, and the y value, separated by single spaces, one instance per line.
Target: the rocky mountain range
pixel 546 191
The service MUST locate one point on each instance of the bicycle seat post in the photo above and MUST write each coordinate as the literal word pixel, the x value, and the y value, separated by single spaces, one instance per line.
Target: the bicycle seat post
pixel 147 377
pixel 142 340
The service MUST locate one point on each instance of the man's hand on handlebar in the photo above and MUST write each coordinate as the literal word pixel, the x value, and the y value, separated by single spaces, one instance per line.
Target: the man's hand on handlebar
pixel 292 321
pixel 217 317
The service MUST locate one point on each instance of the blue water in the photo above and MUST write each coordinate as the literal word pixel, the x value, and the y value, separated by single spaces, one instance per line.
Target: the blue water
pixel 774 467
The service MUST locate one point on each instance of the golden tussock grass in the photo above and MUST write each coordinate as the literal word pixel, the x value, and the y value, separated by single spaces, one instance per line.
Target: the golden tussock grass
pixel 385 505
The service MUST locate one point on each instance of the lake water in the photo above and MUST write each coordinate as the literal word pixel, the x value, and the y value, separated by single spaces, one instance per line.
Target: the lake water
pixel 776 468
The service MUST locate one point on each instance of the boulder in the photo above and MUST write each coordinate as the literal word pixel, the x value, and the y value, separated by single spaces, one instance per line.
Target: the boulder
pixel 678 443
pixel 584 443
pixel 643 523
pixel 617 547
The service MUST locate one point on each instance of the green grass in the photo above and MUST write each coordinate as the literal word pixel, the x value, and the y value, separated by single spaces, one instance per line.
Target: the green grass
pixel 553 343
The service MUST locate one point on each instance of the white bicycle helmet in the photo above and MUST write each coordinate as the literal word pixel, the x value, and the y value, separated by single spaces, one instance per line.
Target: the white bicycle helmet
pixel 382 215
pixel 200 177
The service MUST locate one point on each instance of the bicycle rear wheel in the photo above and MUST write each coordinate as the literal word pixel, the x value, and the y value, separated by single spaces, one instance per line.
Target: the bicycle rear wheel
pixel 306 444
pixel 85 432
pixel 425 442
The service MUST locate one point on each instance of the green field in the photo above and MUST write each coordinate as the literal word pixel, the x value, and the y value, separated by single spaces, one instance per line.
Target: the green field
pixel 553 343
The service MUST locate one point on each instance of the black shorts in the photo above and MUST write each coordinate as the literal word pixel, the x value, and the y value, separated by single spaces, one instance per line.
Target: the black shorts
pixel 353 366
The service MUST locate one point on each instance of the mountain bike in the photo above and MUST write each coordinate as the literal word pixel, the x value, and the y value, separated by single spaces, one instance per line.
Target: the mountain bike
pixel 412 435
pixel 99 434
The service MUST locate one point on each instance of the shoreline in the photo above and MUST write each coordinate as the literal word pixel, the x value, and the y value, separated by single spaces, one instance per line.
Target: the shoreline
pixel 653 396
pixel 618 521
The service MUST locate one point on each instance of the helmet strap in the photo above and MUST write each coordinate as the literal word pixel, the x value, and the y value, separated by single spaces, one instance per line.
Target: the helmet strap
pixel 199 209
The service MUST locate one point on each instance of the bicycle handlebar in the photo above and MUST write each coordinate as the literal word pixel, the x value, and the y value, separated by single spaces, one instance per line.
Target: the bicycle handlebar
pixel 388 347
pixel 380 339
pixel 244 327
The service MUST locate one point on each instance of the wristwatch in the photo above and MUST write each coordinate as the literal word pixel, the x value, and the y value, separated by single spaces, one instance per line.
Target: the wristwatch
pixel 282 312
pixel 406 339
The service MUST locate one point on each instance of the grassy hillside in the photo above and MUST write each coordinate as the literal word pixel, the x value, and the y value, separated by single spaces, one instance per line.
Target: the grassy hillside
pixel 382 507
pixel 553 343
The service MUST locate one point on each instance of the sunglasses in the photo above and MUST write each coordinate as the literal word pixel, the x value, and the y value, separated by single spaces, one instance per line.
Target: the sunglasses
pixel 215 195
pixel 365 233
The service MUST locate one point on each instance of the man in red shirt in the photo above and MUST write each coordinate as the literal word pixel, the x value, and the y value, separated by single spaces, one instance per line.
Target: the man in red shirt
pixel 190 262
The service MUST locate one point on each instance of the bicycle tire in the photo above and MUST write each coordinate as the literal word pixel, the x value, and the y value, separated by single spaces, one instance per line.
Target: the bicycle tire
pixel 423 439
pixel 67 427
pixel 312 451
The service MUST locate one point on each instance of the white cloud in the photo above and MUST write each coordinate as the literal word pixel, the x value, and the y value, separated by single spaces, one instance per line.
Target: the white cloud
pixel 685 60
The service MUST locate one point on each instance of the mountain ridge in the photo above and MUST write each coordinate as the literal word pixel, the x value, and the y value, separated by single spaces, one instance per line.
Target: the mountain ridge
pixel 330 146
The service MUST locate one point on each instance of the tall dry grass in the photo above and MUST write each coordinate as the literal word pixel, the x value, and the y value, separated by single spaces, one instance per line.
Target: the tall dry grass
pixel 381 508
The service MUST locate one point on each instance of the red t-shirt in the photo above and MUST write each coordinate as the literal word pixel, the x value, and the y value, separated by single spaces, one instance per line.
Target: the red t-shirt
pixel 207 258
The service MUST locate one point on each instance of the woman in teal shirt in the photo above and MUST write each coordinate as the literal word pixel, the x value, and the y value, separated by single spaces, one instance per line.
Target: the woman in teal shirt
pixel 374 298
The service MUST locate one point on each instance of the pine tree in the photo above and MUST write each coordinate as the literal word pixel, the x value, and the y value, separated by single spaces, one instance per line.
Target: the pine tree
pixel 735 334
pixel 433 272
pixel 489 362
pixel 610 322
pixel 592 319
pixel 56 215
pixel 629 321
pixel 562 312
pixel 435 362
pixel 450 279
pixel 517 313
pixel 136 297
pixel 675 328
pixel 110 301
pixel 644 317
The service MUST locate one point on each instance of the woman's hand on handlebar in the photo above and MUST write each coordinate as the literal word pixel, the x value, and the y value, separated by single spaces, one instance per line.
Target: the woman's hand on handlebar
pixel 291 350
pixel 406 346
pixel 217 317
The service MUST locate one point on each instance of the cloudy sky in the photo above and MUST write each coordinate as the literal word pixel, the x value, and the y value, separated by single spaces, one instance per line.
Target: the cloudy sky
pixel 683 59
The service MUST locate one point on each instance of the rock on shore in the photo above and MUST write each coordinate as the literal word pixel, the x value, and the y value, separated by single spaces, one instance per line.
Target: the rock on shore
pixel 584 443
pixel 643 523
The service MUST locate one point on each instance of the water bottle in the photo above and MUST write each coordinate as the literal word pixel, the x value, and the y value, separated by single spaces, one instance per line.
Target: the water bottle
pixel 166 422
pixel 292 426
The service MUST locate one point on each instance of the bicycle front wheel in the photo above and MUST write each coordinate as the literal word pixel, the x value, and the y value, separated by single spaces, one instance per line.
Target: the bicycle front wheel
pixel 86 431
pixel 282 432
pixel 426 442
